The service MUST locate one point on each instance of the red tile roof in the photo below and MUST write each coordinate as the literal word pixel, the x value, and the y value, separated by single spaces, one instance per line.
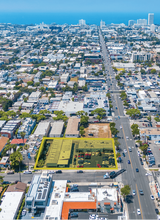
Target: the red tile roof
pixel 18 141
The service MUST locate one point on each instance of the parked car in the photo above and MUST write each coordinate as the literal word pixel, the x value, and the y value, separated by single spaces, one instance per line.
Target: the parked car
pixel 73 215
pixel 24 212
pixel 79 171
pixel 6 182
pixel 58 171
pixel 157 211
pixel 27 172
pixel 10 172
pixel 152 197
pixel 123 154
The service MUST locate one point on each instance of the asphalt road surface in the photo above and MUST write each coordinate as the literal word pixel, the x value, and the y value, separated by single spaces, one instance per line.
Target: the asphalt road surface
pixel 136 180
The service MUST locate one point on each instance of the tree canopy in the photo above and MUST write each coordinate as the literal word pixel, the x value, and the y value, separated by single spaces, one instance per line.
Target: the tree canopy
pixel 16 158
pixel 133 112
pixel 100 112
pixel 125 191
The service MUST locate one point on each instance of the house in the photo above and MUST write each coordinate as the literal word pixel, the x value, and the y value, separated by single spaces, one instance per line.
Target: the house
pixel 19 187
pixel 5 162
pixel 3 142
pixel 37 76
pixel 72 130
pixel 65 77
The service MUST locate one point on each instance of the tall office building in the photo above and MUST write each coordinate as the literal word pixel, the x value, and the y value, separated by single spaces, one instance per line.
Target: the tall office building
pixel 142 21
pixel 102 24
pixel 82 22
pixel 131 22
pixel 150 18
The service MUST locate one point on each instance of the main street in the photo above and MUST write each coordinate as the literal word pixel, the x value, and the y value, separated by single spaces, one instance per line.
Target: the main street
pixel 89 177
pixel 136 180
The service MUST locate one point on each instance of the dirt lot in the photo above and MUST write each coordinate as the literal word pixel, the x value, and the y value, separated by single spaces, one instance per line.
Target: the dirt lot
pixel 99 130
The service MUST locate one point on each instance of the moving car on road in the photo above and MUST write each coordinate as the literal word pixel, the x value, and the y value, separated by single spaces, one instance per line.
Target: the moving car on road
pixel 141 192
pixel 133 192
pixel 137 170
pixel 138 212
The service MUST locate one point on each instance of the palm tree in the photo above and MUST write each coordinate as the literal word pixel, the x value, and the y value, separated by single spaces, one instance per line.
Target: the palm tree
pixel 23 135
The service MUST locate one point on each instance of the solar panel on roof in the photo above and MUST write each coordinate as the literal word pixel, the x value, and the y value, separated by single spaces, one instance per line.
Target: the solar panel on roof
pixel 39 195
pixel 44 193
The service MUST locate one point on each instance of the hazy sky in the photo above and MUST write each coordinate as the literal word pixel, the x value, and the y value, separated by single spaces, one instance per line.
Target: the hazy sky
pixel 80 5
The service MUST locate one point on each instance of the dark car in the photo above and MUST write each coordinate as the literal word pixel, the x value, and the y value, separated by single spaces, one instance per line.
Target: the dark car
pixel 10 172
pixel 137 170
pixel 73 215
pixel 141 192
pixel 157 211
pixel 74 190
pixel 123 154
pixel 59 171
pixel 79 171
pixel 68 181
pixel 141 162
pixel 6 182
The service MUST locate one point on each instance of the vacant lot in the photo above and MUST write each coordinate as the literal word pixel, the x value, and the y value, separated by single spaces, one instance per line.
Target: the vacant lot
pixel 98 130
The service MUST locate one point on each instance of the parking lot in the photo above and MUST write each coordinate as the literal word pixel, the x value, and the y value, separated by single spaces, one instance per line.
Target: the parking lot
pixel 156 152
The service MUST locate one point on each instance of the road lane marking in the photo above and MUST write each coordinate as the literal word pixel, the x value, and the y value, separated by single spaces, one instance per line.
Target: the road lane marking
pixel 139 200
pixel 127 146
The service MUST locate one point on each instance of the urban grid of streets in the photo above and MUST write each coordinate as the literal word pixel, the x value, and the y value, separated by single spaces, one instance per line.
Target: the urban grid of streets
pixel 135 180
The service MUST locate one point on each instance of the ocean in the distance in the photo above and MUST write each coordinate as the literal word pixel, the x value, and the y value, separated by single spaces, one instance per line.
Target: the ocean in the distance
pixel 72 18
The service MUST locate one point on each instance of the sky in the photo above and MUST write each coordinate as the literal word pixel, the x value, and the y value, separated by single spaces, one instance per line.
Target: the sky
pixel 80 6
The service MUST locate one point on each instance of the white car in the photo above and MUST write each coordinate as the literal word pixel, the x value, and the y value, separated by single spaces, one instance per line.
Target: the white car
pixel 51 172
pixel 24 212
pixel 27 172
pixel 152 197
pixel 93 216
pixel 138 212
pixel 126 137
pixel 120 127
pixel 125 151
pixel 148 174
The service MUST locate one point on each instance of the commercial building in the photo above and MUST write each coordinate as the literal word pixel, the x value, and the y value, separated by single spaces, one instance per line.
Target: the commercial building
pixel 56 129
pixel 72 129
pixel 59 201
pixel 42 129
pixel 142 21
pixel 150 18
pixel 38 192
pixel 26 127
pixel 141 57
pixel 152 133
pixel 131 22
pixel 34 97
pixel 82 22
pixel 10 205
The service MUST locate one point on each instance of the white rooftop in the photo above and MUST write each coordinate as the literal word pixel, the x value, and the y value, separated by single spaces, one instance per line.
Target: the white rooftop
pixel 54 209
pixel 10 205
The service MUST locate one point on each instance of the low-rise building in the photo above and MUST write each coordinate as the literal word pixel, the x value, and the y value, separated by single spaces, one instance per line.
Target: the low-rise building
pixel 72 129
pixel 56 129
pixel 26 127
pixel 42 129
pixel 10 205
pixel 34 97
pixel 10 127
pixel 3 142
pixel 37 196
